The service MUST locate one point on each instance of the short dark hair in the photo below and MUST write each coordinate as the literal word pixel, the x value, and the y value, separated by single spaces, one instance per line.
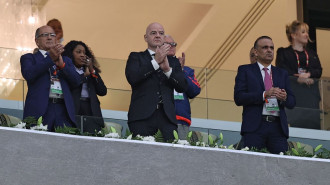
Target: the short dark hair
pixel 259 38
pixel 37 33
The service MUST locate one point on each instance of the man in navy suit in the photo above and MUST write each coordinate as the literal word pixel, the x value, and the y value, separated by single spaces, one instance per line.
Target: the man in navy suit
pixel 264 90
pixel 48 77
pixel 153 77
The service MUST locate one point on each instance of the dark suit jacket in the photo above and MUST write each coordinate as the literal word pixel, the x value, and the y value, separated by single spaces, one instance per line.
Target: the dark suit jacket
pixel 248 91
pixel 35 70
pixel 287 59
pixel 147 83
pixel 95 87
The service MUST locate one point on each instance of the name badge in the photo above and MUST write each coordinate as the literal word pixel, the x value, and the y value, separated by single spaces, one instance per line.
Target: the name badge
pixel 272 104
pixel 55 86
pixel 178 96
pixel 301 70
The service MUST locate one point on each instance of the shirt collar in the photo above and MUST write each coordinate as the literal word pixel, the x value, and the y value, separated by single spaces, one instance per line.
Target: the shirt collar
pixel 262 67
pixel 80 70
pixel 151 52
pixel 43 52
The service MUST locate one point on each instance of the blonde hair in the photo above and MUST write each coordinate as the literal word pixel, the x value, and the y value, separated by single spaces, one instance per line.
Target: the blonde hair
pixel 294 27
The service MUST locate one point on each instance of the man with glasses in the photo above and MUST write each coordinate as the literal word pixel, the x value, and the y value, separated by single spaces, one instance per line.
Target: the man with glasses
pixel 153 76
pixel 182 105
pixel 49 77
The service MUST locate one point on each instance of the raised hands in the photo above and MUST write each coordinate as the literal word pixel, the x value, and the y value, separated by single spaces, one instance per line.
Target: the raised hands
pixel 161 57
pixel 182 59
pixel 55 54
pixel 280 94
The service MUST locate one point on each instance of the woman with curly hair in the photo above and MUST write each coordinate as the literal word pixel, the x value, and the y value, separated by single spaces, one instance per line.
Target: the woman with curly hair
pixel 91 84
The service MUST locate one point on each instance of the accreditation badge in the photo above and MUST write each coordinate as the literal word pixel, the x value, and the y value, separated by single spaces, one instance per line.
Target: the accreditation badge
pixel 178 96
pixel 301 70
pixel 272 104
pixel 55 86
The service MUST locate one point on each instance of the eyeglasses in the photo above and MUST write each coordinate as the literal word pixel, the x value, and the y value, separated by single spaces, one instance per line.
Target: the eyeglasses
pixel 46 35
pixel 173 44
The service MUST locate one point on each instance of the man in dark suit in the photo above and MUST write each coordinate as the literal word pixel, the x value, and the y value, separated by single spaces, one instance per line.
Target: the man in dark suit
pixel 153 77
pixel 264 90
pixel 48 77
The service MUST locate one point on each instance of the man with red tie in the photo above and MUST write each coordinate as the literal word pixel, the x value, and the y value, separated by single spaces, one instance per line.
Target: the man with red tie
pixel 264 91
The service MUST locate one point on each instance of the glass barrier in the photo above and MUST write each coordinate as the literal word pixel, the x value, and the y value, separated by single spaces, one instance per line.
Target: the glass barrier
pixel 214 102
pixel 308 110
pixel 12 89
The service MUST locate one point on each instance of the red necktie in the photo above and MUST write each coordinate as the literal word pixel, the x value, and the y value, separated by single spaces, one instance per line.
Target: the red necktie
pixel 267 80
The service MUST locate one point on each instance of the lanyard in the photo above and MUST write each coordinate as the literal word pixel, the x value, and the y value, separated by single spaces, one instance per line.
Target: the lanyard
pixel 54 72
pixel 307 58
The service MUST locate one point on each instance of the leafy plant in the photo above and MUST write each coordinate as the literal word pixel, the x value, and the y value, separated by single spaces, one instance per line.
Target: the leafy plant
pixel 189 136
pixel 231 147
pixel 128 133
pixel 325 154
pixel 30 120
pixel 211 141
pixel 221 138
pixel 104 131
pixel 67 130
pixel 176 136
pixel 300 151
pixel 262 150
pixel 159 136
pixel 39 122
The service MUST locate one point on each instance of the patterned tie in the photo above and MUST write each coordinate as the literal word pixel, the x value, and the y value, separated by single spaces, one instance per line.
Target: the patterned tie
pixel 267 80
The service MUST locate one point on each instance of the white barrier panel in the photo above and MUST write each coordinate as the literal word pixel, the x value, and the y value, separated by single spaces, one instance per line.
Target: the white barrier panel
pixel 42 158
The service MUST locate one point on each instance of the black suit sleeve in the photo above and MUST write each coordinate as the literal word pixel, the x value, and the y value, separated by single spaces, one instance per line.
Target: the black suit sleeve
pixel 315 65
pixel 242 95
pixel 100 87
pixel 177 79
pixel 137 71
pixel 282 61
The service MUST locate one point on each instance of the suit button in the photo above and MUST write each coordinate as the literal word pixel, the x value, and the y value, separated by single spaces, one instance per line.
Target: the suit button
pixel 157 92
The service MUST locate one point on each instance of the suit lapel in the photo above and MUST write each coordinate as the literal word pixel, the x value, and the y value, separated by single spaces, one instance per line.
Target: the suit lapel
pixel 146 55
pixel 275 77
pixel 257 72
pixel 38 56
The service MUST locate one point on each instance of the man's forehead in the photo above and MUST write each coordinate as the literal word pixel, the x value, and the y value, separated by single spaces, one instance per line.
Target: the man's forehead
pixel 47 29
pixel 265 42
pixel 169 39
pixel 155 27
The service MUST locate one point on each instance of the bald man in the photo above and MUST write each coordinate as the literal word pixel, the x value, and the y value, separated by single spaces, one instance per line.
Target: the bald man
pixel 153 77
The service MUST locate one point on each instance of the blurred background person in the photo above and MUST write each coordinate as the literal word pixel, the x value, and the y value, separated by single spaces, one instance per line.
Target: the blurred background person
pixel 57 27
pixel 91 84
pixel 304 66
pixel 182 105
pixel 253 56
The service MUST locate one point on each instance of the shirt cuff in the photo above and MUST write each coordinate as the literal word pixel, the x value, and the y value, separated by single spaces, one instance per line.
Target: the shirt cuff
pixel 263 96
pixel 168 73
pixel 154 64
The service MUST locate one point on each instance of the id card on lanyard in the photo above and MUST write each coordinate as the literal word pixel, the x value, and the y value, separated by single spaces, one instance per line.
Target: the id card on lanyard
pixel 55 85
pixel 271 103
pixel 300 69
pixel 178 96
